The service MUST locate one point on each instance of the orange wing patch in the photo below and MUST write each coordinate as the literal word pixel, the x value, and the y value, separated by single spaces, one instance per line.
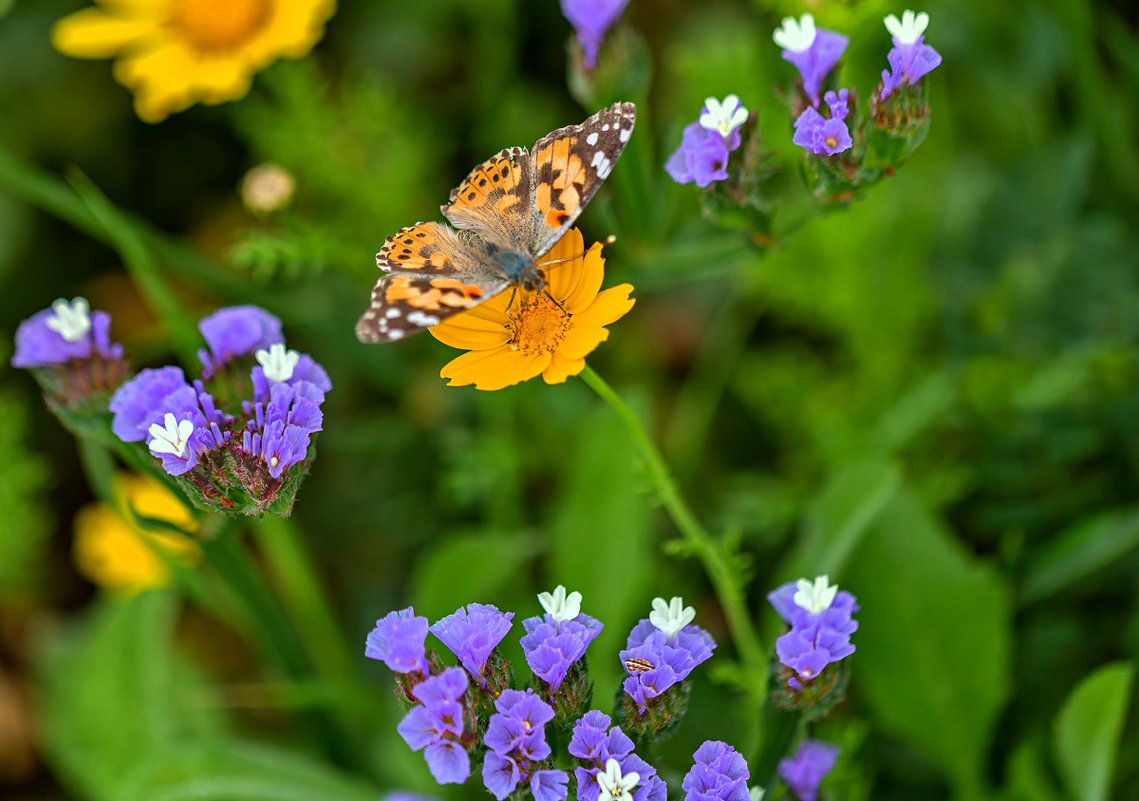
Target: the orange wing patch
pixel 424 247
pixel 433 294
pixel 492 196
pixel 561 179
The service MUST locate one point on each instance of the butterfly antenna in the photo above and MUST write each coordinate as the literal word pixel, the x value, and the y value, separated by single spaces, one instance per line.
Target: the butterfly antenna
pixel 555 301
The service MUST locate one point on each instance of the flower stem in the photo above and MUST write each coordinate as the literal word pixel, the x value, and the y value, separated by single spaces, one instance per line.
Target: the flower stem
pixel 714 558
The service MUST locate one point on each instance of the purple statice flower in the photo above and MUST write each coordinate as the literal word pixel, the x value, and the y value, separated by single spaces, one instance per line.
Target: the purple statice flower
pixel 813 50
pixel 821 624
pixel 555 641
pixel 397 641
pixel 179 422
pixel 595 744
pixel 436 724
pixel 278 365
pixel 404 795
pixel 516 739
pixel 663 649
pixel 702 157
pixel 279 429
pixel 719 774
pixel 471 633
pixel 910 58
pixel 823 136
pixel 811 763
pixel 591 19
pixel 66 331
pixel 234 332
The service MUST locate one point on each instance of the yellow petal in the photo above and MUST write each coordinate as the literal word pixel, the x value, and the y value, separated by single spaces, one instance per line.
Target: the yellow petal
pixel 223 79
pixel 493 369
pixel 608 307
pixel 562 275
pixel 90 33
pixel 109 553
pixel 582 341
pixel 590 275
pixel 561 368
pixel 469 331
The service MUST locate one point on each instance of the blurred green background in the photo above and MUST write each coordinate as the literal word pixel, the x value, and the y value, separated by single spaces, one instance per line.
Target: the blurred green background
pixel 933 395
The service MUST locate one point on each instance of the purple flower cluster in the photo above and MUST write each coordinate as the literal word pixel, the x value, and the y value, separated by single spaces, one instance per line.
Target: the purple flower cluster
pixel 472 633
pixel 702 157
pixel 595 744
pixel 822 136
pixel 552 646
pixel 720 774
pixel 655 661
pixel 910 58
pixel 821 619
pixel 806 769
pixel 234 332
pixel 814 51
pixel 144 406
pixel 182 425
pixel 398 641
pixel 435 726
pixel 591 19
pixel 62 333
pixel 517 748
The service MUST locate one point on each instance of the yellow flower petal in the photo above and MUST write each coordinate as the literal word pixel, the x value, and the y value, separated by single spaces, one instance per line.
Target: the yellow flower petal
pixel 563 275
pixel 89 33
pixel 494 369
pixel 471 331
pixel 562 367
pixel 608 307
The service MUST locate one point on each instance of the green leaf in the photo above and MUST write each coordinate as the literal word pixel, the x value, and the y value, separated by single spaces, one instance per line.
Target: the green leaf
pixel 933 640
pixel 111 695
pixel 1079 552
pixel 239 770
pixel 466 568
pixel 916 410
pixel 1028 778
pixel 601 542
pixel 841 515
pixel 1088 730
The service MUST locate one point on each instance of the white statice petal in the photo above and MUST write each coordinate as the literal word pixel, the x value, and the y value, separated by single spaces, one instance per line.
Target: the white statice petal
pixel 671 617
pixel 909 28
pixel 561 605
pixel 171 437
pixel 71 320
pixel 795 36
pixel 277 362
pixel 815 596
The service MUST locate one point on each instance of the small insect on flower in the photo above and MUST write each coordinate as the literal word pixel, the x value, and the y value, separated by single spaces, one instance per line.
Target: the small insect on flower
pixel 639 664
pixel 510 211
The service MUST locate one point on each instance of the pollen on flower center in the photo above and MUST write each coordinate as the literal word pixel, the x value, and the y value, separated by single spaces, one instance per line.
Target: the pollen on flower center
pixel 832 141
pixel 210 26
pixel 539 325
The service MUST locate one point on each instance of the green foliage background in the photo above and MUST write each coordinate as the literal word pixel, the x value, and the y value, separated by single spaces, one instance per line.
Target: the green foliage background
pixel 931 395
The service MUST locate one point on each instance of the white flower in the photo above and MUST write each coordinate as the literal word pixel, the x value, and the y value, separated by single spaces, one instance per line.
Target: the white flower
pixel 560 605
pixel 173 437
pixel 814 597
pixel 723 117
pixel 277 362
pixel 671 617
pixel 795 36
pixel 70 320
pixel 614 786
pixel 909 29
pixel 757 793
pixel 267 188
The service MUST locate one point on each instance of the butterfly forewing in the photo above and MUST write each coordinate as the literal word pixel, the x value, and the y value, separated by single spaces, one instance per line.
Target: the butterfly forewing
pixel 494 199
pixel 568 166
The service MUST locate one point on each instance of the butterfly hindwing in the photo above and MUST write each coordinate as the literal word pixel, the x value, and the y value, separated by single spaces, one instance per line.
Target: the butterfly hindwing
pixel 403 304
pixel 429 248
pixel 567 168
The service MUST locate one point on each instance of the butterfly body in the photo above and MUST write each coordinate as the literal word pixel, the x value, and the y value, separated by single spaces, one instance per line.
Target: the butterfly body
pixel 509 212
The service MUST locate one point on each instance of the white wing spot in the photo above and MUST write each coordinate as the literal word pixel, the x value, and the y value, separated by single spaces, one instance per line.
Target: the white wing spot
pixel 602 163
pixel 605 127
pixel 393 312
pixel 624 135
pixel 419 318
pixel 591 139
pixel 395 333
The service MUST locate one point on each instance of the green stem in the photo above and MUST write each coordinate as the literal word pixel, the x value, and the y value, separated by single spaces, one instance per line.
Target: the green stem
pixel 711 555
pixel 316 623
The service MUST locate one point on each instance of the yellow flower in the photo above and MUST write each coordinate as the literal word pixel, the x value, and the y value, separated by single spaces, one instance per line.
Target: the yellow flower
pixel 173 53
pixel 514 336
pixel 115 552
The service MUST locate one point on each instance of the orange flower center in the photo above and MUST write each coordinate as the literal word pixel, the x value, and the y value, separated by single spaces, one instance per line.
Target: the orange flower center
pixel 218 26
pixel 539 325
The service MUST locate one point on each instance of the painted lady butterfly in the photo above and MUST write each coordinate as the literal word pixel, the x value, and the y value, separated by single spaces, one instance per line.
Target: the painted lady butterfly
pixel 509 212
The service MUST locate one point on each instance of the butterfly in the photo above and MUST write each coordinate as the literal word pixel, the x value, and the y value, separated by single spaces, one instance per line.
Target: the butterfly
pixel 507 214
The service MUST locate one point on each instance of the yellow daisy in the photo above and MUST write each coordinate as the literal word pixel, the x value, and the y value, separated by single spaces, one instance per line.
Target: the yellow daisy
pixel 514 336
pixel 115 552
pixel 173 53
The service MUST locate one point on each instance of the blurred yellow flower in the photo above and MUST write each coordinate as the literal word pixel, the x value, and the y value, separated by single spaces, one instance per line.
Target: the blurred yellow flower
pixel 173 53
pixel 115 552
pixel 536 334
